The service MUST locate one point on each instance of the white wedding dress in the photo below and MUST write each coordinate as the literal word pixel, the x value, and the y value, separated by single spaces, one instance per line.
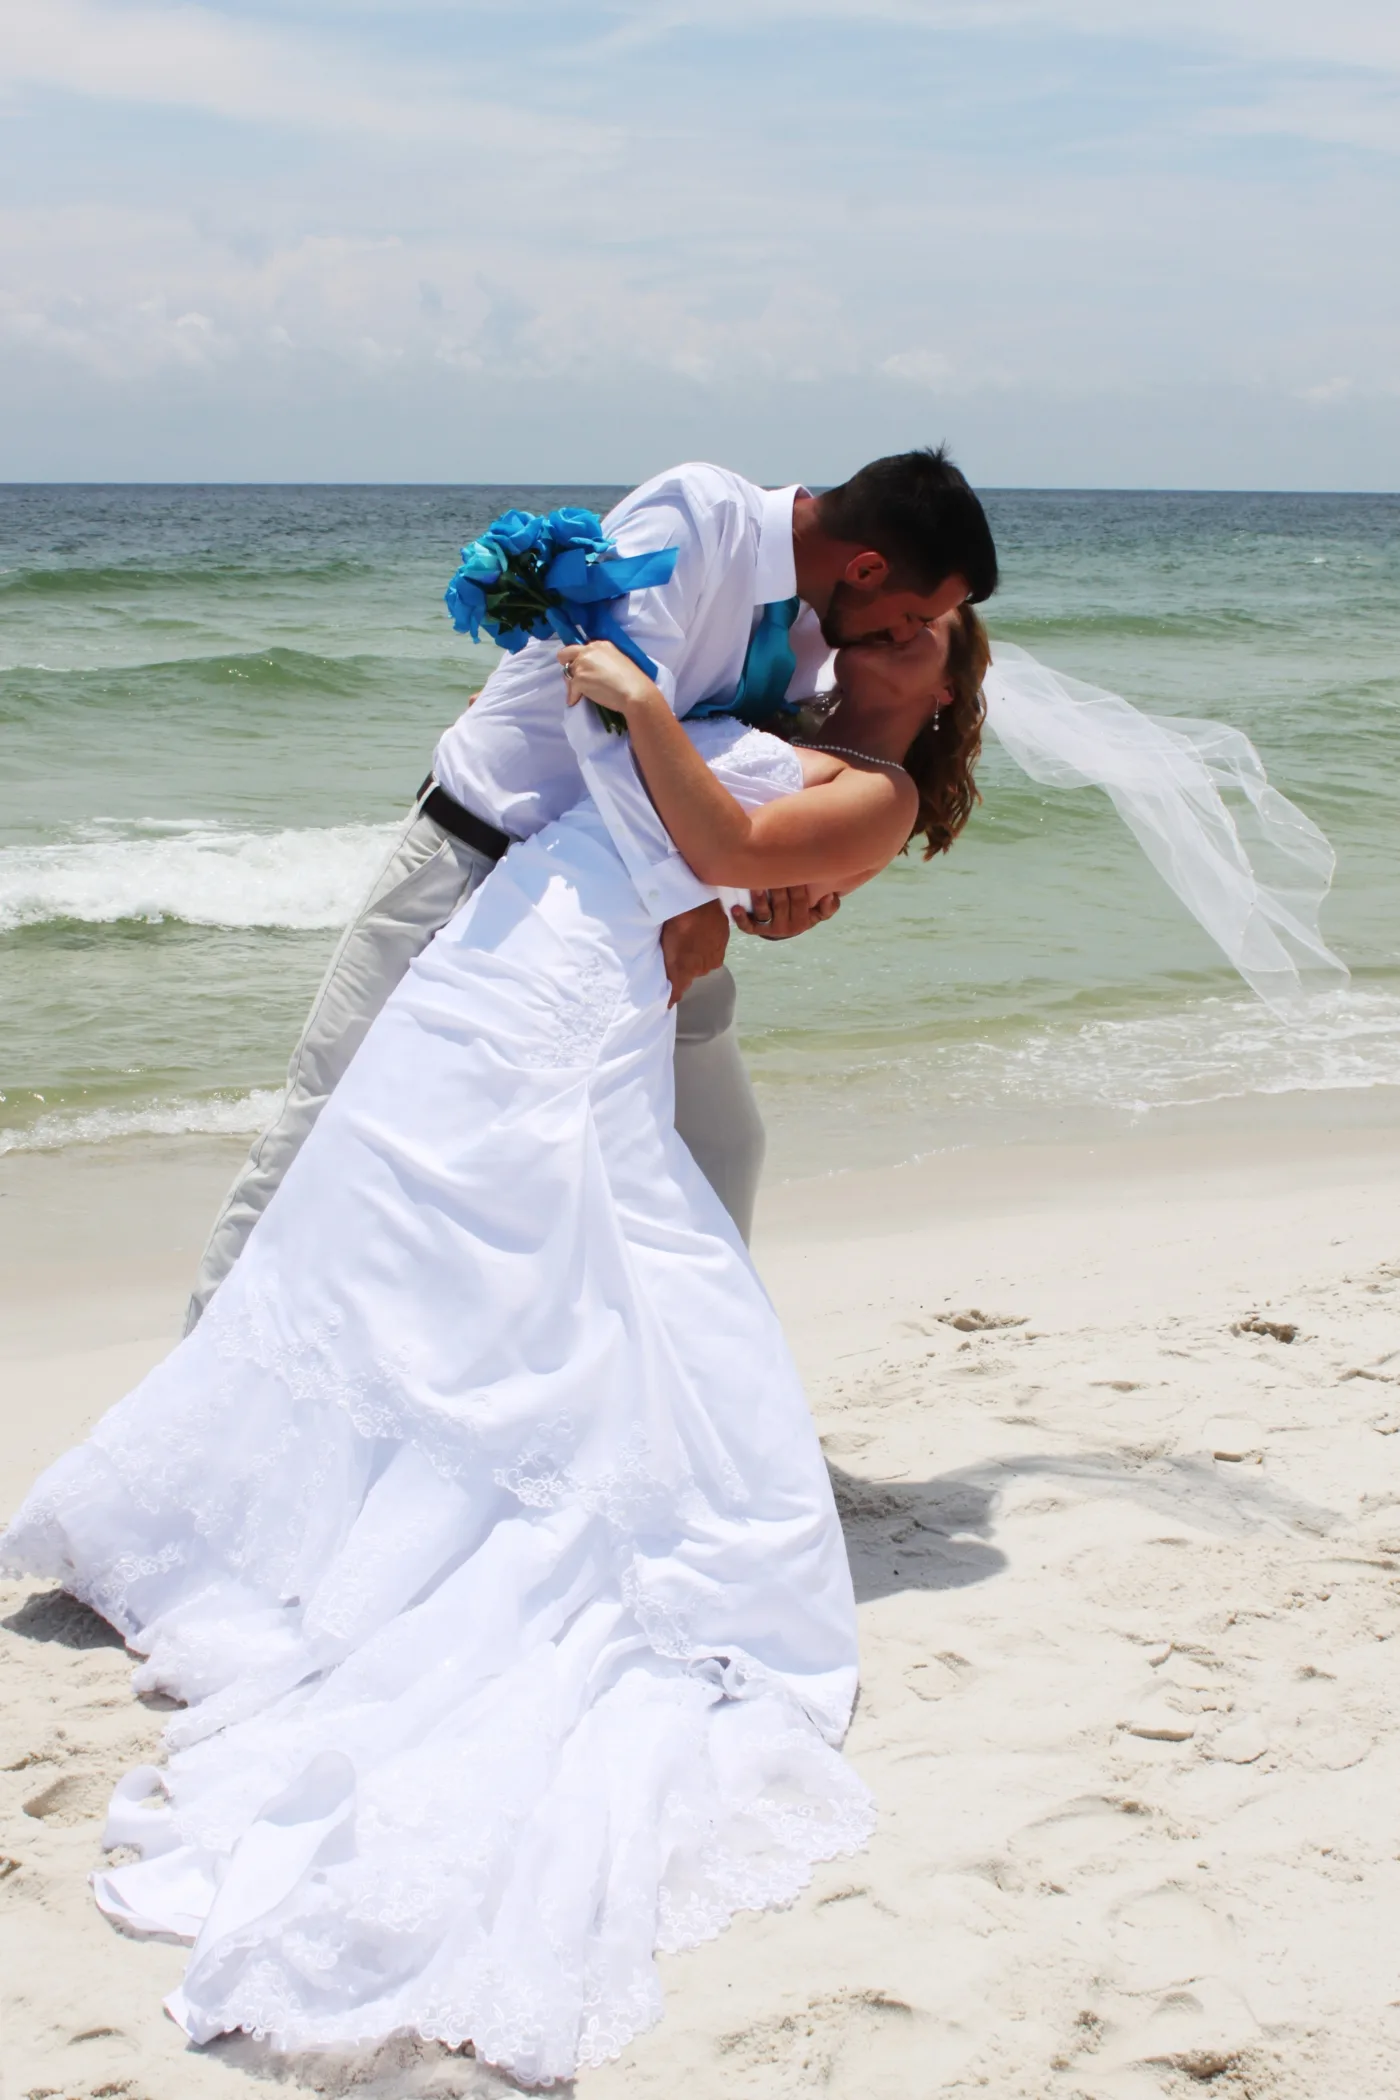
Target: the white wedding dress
pixel 480 1525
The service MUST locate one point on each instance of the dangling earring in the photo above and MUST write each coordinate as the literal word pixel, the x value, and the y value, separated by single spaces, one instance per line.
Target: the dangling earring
pixel 822 706
pixel 814 714
pixel 937 720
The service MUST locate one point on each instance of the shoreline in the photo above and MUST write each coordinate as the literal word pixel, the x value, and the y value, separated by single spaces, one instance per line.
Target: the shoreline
pixel 1128 1581
pixel 99 1242
pixel 856 1136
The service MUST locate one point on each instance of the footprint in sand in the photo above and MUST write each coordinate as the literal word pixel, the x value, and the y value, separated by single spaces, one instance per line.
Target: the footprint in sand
pixel 938 1676
pixel 1243 1742
pixel 821 2043
pixel 1203 2030
pixel 74 1797
pixel 971 1321
pixel 1157 1721
pixel 1276 1330
pixel 1168 1937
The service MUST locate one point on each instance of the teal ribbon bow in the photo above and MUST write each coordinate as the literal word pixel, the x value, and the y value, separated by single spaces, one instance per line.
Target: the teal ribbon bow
pixel 530 578
pixel 589 590
pixel 768 667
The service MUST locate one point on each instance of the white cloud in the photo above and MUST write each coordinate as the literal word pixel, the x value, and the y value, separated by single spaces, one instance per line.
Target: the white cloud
pixel 139 339
pixel 1152 280
pixel 1364 33
pixel 1357 112
pixel 198 59
pixel 922 367
pixel 1081 235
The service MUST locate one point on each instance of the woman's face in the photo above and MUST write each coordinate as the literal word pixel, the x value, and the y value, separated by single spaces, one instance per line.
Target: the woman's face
pixel 905 684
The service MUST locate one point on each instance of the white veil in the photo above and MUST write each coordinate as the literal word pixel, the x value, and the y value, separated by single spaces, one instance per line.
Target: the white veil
pixel 1253 872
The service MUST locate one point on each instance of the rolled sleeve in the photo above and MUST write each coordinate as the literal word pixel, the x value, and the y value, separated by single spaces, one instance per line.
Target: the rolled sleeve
pixel 661 619
pixel 697 512
pixel 664 880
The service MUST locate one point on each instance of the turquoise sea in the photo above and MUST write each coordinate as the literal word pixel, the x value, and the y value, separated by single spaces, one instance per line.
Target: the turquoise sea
pixel 214 702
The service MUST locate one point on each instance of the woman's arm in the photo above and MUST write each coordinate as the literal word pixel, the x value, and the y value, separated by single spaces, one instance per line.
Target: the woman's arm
pixel 846 827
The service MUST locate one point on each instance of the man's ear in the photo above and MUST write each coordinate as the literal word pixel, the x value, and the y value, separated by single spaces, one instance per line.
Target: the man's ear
pixel 868 571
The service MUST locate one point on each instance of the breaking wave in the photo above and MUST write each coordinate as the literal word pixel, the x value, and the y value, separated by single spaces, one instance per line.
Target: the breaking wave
pixel 201 874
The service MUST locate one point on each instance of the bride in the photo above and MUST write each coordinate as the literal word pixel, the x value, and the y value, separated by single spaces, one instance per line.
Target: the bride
pixel 480 1527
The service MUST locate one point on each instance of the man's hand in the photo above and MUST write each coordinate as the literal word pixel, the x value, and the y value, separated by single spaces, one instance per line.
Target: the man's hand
pixel 778 914
pixel 693 945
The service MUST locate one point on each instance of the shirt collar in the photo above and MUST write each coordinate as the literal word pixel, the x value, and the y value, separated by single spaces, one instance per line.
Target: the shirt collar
pixel 775 575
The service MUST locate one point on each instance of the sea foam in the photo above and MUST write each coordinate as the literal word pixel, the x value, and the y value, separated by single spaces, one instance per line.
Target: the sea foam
pixel 1212 1050
pixel 216 1115
pixel 200 873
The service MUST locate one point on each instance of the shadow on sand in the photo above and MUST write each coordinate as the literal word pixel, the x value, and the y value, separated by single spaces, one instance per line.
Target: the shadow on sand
pixel 936 1534
pixel 52 1615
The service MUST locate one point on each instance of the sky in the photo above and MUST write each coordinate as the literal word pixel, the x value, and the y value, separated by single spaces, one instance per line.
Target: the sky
pixel 1090 243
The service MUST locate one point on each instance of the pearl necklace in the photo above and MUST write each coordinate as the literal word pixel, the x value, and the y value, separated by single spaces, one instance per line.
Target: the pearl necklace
pixel 845 751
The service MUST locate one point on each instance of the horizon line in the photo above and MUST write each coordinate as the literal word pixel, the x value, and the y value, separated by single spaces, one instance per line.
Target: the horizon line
pixel 991 488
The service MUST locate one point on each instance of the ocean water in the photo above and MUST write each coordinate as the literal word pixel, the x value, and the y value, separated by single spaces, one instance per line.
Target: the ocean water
pixel 214 703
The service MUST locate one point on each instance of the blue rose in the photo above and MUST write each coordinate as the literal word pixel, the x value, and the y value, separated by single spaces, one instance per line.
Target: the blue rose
pixel 483 563
pixel 516 531
pixel 466 601
pixel 572 527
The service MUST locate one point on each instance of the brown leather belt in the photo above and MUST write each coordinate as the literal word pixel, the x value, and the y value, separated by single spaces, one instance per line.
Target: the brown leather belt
pixel 450 816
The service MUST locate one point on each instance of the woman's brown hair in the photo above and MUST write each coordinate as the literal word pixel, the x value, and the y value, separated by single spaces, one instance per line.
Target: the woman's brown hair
pixel 943 756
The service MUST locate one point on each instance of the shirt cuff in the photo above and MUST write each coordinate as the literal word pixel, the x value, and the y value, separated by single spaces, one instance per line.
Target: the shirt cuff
pixel 664 880
pixel 669 887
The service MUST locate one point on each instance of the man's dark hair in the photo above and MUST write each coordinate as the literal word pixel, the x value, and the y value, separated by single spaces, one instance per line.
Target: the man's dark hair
pixel 918 510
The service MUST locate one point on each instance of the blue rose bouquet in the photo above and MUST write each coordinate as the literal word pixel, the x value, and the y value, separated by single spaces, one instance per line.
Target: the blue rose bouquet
pixel 533 578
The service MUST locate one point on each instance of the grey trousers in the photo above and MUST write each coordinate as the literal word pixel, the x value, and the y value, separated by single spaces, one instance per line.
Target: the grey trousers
pixel 426 876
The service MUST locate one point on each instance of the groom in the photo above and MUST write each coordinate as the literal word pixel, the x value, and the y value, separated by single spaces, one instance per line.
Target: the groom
pixel 767 583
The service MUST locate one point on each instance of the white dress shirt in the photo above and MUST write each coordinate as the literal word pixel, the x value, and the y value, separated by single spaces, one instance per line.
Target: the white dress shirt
pixel 519 756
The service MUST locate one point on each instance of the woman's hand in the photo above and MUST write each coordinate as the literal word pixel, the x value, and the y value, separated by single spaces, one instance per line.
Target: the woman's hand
pixel 776 915
pixel 599 672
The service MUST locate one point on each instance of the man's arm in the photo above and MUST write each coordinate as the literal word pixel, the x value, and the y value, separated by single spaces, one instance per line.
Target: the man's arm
pixel 698 514
pixel 707 532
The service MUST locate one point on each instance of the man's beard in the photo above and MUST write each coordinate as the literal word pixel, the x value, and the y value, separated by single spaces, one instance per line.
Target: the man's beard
pixel 834 631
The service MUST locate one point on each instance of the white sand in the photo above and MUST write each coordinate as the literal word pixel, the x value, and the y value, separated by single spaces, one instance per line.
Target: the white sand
pixel 1128 1582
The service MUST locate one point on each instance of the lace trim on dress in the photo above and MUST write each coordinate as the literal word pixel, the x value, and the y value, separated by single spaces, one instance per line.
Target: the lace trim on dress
pixel 743 757
pixel 579 1023
pixel 738 1834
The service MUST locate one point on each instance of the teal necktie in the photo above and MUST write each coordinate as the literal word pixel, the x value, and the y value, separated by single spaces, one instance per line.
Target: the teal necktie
pixel 768 667
pixel 770 663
